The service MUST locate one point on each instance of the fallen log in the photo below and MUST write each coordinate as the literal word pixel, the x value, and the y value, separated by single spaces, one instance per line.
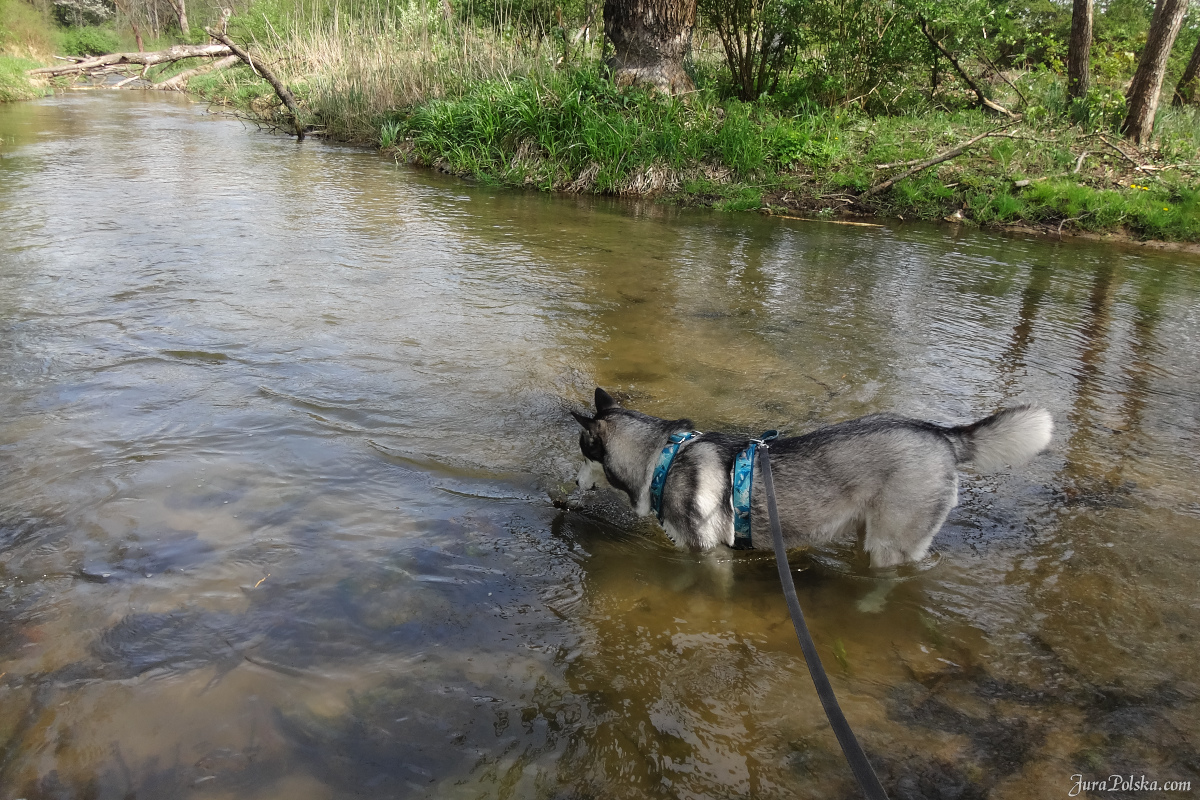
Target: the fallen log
pixel 984 100
pixel 280 88
pixel 938 159
pixel 176 53
pixel 177 82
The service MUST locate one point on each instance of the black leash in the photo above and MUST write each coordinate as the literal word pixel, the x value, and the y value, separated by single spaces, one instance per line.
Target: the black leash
pixel 853 751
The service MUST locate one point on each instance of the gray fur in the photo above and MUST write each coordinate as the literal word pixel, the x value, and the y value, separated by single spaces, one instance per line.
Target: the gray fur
pixel 893 478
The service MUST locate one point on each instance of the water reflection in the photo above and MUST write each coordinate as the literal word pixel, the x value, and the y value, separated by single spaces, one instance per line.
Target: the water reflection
pixel 274 453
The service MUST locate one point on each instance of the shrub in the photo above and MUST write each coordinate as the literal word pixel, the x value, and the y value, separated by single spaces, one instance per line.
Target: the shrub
pixel 760 39
pixel 88 41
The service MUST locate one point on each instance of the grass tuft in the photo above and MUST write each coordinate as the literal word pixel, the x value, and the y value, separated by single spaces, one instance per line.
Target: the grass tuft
pixel 14 83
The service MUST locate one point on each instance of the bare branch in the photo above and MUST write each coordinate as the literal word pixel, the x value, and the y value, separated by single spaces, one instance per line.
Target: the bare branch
pixel 175 53
pixel 938 159
pixel 280 88
pixel 983 98
pixel 180 80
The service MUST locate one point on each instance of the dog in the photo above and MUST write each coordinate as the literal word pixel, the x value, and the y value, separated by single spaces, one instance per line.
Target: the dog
pixel 887 477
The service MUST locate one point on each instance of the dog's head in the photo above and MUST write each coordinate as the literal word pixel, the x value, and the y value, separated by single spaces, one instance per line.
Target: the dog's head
pixel 621 447
pixel 591 441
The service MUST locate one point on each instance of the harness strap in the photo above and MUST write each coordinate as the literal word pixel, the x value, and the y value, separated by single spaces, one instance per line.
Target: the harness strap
pixel 743 484
pixel 665 458
pixel 859 765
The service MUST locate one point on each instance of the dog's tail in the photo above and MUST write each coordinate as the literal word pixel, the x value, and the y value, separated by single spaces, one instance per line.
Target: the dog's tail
pixel 1008 437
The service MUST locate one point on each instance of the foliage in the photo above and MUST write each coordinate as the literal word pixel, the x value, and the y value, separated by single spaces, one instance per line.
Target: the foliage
pixel 88 41
pixel 83 12
pixel 1103 108
pixel 872 49
pixel 263 19
pixel 533 19
pixel 760 39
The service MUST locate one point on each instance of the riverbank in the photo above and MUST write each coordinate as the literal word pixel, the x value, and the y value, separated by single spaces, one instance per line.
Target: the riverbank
pixel 14 83
pixel 468 101
pixel 569 130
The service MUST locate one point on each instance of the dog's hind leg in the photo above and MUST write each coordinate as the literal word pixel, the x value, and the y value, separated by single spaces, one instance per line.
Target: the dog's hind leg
pixel 908 511
pixel 897 534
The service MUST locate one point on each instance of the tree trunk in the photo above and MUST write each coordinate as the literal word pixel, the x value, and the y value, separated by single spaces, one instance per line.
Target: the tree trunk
pixel 1185 90
pixel 180 7
pixel 1080 49
pixel 1147 81
pixel 650 40
pixel 179 51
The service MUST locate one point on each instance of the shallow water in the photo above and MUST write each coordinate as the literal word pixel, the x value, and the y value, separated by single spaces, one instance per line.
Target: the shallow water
pixel 279 424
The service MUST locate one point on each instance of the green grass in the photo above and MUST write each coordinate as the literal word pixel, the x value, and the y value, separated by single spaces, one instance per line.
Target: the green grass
pixel 237 86
pixel 14 83
pixel 570 129
pixel 25 30
pixel 26 37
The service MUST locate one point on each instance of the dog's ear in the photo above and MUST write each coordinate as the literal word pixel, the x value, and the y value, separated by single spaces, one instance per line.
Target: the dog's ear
pixel 604 401
pixel 587 422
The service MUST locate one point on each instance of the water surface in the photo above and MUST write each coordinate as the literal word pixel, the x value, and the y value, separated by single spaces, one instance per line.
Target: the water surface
pixel 279 424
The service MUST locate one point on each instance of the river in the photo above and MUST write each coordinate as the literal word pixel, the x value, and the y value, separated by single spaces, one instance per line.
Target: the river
pixel 279 424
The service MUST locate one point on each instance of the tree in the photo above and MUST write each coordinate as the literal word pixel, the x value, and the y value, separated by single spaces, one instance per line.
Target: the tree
pixel 759 40
pixel 82 12
pixel 651 39
pixel 1185 90
pixel 1079 50
pixel 1148 80
pixel 180 9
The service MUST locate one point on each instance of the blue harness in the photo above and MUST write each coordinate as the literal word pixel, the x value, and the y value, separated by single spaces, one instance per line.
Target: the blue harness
pixel 664 466
pixel 743 482
pixel 743 479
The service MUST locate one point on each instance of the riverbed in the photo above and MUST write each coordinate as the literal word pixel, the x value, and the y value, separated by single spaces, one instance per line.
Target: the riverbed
pixel 280 423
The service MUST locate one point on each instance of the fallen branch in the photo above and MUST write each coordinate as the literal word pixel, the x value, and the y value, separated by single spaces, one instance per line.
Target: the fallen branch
pixel 1136 165
pixel 946 156
pixel 983 98
pixel 177 82
pixel 280 88
pixel 831 222
pixel 1004 78
pixel 1071 219
pixel 1024 138
pixel 176 53
pixel 997 135
pixel 895 164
